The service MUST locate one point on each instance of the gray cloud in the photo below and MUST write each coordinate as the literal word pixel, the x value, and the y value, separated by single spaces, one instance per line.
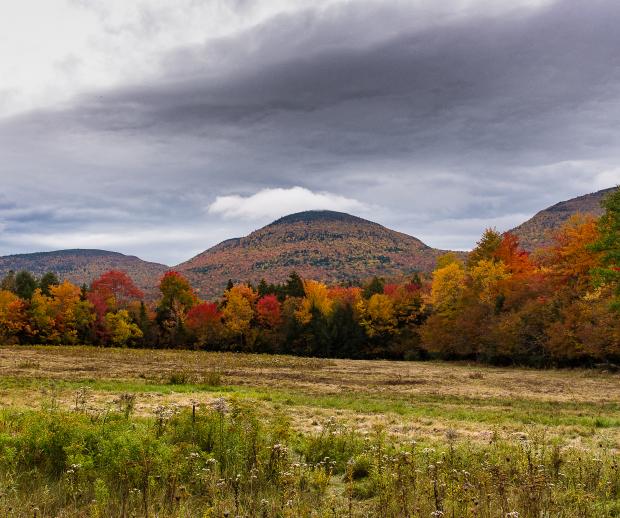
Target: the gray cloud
pixel 437 124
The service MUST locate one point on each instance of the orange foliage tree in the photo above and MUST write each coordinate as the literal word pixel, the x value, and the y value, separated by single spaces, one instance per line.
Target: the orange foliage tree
pixel 12 316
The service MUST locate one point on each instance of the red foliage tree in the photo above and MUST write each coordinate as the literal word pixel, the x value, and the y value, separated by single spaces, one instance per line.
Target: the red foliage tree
pixel 205 321
pixel 516 260
pixel 116 288
pixel 269 311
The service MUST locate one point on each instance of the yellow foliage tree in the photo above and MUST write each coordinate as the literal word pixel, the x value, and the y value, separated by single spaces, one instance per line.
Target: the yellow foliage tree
pixel 486 276
pixel 239 309
pixel 317 298
pixel 59 317
pixel 447 287
pixel 42 317
pixel 377 315
pixel 122 330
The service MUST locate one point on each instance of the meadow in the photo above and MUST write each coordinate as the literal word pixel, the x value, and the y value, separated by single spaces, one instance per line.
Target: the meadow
pixel 88 431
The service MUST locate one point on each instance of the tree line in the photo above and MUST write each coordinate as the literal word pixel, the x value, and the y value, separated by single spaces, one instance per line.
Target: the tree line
pixel 559 305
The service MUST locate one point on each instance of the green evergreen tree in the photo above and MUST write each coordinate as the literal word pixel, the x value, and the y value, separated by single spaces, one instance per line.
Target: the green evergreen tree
pixel 48 280
pixel 263 288
pixel 295 285
pixel 25 284
pixel 374 286
pixel 609 245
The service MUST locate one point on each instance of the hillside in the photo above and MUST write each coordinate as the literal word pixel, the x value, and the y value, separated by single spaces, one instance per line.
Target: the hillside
pixel 324 245
pixel 83 266
pixel 535 231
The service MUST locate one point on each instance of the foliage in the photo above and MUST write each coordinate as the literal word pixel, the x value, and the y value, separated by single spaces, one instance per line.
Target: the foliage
pixel 486 276
pixel 118 290
pixel 447 287
pixel 238 310
pixel 122 330
pixel 608 244
pixel 25 284
pixel 556 306
pixel 316 300
pixel 485 248
pixel 205 321
pixel 268 309
pixel 377 315
pixel 12 316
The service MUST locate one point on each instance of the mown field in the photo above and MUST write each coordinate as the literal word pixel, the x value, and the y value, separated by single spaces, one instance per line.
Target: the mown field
pixel 126 432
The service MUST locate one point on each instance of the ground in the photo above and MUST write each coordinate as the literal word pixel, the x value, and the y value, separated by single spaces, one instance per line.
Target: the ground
pixel 410 400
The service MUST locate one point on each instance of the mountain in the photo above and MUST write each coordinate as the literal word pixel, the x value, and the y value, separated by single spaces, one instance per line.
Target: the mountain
pixel 535 232
pixel 83 266
pixel 323 245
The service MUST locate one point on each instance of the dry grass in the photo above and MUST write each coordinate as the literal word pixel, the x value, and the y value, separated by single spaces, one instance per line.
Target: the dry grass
pixel 408 399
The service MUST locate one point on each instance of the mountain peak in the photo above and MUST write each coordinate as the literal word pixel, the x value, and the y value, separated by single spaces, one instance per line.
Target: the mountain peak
pixel 310 216
pixel 324 245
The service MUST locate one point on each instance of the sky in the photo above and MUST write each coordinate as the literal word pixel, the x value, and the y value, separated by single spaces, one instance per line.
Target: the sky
pixel 158 128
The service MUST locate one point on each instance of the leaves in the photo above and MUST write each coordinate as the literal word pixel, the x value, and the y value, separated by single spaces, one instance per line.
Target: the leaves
pixel 239 309
pixel 447 287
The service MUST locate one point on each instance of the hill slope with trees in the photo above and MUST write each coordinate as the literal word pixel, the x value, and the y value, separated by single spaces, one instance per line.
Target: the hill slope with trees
pixel 537 231
pixel 324 245
pixel 82 266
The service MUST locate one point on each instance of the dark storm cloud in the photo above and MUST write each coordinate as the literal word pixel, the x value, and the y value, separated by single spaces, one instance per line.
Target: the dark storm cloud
pixel 428 123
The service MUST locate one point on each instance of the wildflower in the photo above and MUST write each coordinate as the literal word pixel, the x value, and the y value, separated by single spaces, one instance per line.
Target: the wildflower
pixel 451 435
pixel 220 406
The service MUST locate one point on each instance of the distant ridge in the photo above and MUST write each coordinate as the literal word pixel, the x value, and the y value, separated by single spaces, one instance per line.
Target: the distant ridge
pixel 319 244
pixel 82 266
pixel 535 232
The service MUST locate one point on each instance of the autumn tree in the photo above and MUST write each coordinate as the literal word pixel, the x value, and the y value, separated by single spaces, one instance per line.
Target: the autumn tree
pixel 61 317
pixel 238 311
pixel 12 316
pixel 72 315
pixel 123 331
pixel 447 287
pixel 117 289
pixel 517 261
pixel 316 300
pixel 345 295
pixel 447 259
pixel 570 258
pixel 204 321
pixel 377 315
pixel 486 276
pixel 268 310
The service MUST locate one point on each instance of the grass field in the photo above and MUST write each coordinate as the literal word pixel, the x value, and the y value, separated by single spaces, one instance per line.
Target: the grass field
pixel 559 429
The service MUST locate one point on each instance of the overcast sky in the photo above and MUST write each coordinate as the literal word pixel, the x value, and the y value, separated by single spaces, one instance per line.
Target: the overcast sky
pixel 160 128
